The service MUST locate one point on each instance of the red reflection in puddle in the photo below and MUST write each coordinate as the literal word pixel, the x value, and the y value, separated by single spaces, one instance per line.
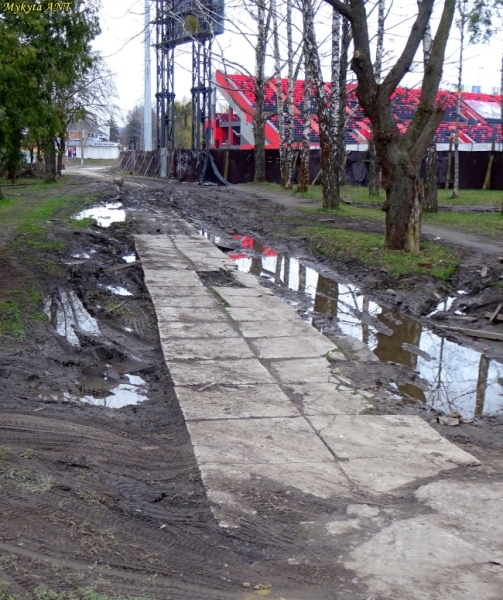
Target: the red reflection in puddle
pixel 249 243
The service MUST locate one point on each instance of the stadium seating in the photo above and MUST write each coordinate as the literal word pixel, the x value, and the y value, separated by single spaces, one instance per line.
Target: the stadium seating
pixel 404 102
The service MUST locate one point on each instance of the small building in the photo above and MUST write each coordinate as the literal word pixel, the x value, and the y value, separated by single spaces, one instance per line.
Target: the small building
pixel 90 139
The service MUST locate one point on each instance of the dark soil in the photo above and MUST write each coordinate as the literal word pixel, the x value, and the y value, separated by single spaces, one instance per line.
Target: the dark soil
pixel 111 499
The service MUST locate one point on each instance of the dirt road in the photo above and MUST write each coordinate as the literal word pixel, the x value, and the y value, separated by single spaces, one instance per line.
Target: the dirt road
pixel 97 499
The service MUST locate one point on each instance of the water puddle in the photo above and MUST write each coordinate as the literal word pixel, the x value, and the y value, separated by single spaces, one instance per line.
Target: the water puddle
pixel 121 395
pixel 67 314
pixel 117 290
pixel 461 379
pixel 104 214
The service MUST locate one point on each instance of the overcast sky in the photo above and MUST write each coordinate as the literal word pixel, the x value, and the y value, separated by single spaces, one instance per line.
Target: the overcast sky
pixel 121 42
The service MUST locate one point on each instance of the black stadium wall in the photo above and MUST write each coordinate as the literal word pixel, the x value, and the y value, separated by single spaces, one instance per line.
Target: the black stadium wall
pixel 186 165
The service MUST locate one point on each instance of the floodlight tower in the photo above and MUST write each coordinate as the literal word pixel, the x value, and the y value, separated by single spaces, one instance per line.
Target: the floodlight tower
pixel 180 22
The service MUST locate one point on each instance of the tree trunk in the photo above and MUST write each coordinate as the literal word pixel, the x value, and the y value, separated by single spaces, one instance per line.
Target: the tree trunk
pixel 330 183
pixel 404 196
pixel 455 186
pixel 258 117
pixel 306 134
pixel 279 95
pixel 50 161
pixel 343 99
pixel 291 86
pixel 334 95
pixel 430 203
pixel 373 169
pixel 373 163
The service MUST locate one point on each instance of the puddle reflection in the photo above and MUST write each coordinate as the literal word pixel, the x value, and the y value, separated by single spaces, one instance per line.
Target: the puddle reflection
pixel 123 394
pixel 67 314
pixel 104 214
pixel 461 379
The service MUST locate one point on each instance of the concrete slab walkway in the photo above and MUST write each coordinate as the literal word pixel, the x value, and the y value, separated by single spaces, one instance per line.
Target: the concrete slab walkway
pixel 263 404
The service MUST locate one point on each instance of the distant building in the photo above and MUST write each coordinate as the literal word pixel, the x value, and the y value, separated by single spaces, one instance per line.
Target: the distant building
pixel 90 138
pixel 480 115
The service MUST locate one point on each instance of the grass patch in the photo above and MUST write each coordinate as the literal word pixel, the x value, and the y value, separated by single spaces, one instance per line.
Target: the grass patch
pixel 28 453
pixel 80 223
pixel 344 245
pixel 28 481
pixel 44 593
pixel 359 195
pixel 490 224
pixel 6 453
pixel 11 323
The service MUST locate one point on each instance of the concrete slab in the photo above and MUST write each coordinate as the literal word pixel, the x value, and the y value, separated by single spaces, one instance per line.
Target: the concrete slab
pixel 325 399
pixel 383 474
pixel 388 436
pixel 292 347
pixel 202 372
pixel 199 329
pixel 257 441
pixel 418 560
pixel 172 278
pixel 259 329
pixel 189 315
pixel 276 315
pixel 206 300
pixel 255 301
pixel 236 292
pixel 224 483
pixel 161 290
pixel 306 370
pixel 248 280
pixel 163 263
pixel 220 402
pixel 469 507
pixel 206 348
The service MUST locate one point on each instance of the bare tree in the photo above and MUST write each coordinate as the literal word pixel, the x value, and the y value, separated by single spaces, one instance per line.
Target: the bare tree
pixel 279 93
pixel 430 202
pixel 343 99
pixel 373 163
pixel 291 86
pixel 263 18
pixel 330 181
pixel 334 94
pixel 306 132
pixel 400 155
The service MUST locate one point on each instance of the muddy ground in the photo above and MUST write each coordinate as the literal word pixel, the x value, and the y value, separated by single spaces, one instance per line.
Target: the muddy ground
pixel 110 500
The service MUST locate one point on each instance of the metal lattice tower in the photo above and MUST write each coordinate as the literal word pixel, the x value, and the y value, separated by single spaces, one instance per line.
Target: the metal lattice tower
pixel 201 95
pixel 179 22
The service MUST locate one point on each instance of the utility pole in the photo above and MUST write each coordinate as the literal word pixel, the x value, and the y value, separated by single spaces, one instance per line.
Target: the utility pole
pixel 147 100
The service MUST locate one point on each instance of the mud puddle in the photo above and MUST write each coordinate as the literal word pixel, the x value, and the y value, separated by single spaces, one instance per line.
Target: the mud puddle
pixel 104 214
pixel 67 315
pixel 116 396
pixel 460 379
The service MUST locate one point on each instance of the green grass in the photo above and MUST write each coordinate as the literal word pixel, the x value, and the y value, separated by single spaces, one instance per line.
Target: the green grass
pixel 359 195
pixel 44 593
pixel 348 211
pixel 28 481
pixel 490 224
pixel 26 231
pixel 344 245
pixel 11 323
pixel 6 453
